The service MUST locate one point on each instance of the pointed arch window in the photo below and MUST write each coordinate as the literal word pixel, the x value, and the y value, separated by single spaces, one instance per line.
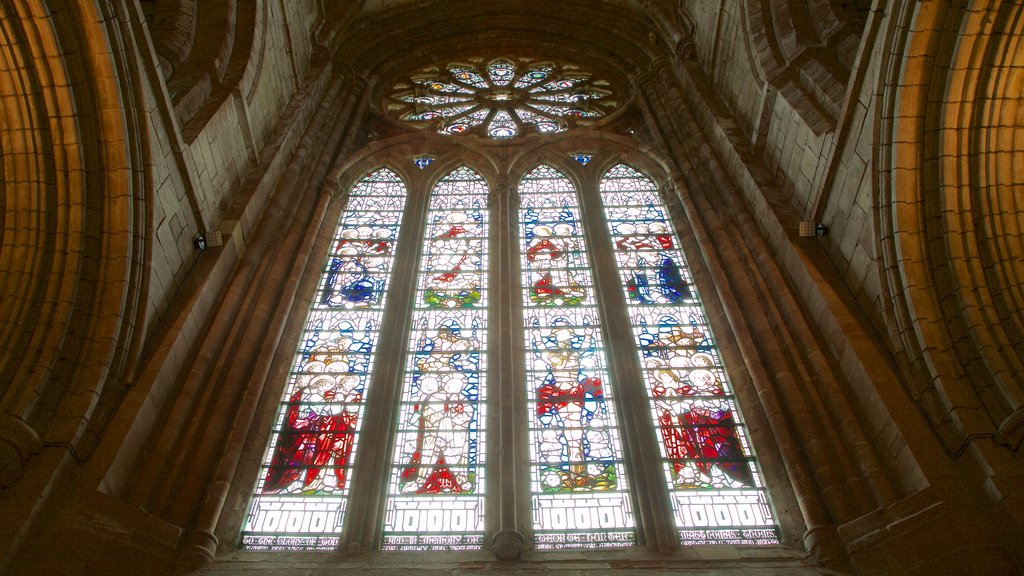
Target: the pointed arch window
pixel 436 490
pixel 302 495
pixel 716 492
pixel 578 483
pixel 594 266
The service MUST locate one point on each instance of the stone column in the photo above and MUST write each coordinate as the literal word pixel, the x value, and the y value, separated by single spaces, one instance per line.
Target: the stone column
pixel 505 378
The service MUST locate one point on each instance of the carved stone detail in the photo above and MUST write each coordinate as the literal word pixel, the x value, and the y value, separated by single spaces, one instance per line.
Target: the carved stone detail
pixel 508 545
pixel 1011 430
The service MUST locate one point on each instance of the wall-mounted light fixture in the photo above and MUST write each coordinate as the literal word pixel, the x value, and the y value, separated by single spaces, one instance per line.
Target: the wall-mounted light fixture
pixel 810 229
pixel 202 242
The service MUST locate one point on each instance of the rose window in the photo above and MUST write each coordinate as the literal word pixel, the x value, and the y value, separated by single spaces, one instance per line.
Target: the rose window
pixel 501 99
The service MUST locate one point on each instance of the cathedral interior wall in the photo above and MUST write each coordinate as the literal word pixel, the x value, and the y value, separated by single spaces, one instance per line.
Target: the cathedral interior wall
pixel 173 169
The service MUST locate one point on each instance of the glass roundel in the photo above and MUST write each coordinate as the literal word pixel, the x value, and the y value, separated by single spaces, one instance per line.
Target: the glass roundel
pixel 501 98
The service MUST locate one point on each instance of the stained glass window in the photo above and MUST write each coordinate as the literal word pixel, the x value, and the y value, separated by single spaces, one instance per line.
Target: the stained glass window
pixel 301 496
pixel 436 489
pixel 578 485
pixel 717 494
pixel 502 98
pixel 432 494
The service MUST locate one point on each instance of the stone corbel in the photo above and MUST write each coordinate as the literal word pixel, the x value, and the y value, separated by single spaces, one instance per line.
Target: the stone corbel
pixel 18 442
pixel 331 188
pixel 319 56
pixel 1011 430
pixel 685 47
pixel 508 545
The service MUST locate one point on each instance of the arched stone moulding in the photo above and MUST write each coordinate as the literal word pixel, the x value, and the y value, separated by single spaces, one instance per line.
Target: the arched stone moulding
pixel 75 243
pixel 942 192
pixel 204 49
pixel 942 202
pixel 74 321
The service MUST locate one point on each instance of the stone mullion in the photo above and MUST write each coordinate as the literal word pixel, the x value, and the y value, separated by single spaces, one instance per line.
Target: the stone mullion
pixel 370 481
pixel 508 504
pixel 640 444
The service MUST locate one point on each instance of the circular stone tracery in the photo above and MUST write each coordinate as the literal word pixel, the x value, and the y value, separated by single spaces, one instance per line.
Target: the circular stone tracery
pixel 502 98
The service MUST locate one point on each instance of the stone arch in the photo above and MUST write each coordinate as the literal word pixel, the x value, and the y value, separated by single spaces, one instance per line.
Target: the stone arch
pixel 949 210
pixel 64 197
pixel 205 49
pixel 75 241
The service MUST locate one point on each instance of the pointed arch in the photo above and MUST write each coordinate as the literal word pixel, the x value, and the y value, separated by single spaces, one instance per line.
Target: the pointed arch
pixel 302 493
pixel 716 492
pixel 578 479
pixel 436 483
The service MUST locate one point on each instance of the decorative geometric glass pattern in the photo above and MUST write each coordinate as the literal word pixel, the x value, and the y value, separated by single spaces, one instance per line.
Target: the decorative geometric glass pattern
pixel 436 489
pixel 301 497
pixel 583 158
pixel 577 479
pixel 717 494
pixel 501 99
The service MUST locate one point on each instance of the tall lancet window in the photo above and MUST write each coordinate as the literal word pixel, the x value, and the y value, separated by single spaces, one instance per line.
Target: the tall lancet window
pixel 436 490
pixel 301 497
pixel 717 494
pixel 577 479
pixel 571 407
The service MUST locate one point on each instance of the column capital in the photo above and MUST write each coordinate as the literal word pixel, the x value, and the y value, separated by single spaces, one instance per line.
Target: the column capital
pixel 332 187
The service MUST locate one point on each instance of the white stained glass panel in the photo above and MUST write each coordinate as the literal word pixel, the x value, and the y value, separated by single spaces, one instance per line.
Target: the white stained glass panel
pixel 436 490
pixel 578 485
pixel 717 493
pixel 301 497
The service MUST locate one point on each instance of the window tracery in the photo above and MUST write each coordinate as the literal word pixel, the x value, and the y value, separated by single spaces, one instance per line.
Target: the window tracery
pixel 578 481
pixel 501 99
